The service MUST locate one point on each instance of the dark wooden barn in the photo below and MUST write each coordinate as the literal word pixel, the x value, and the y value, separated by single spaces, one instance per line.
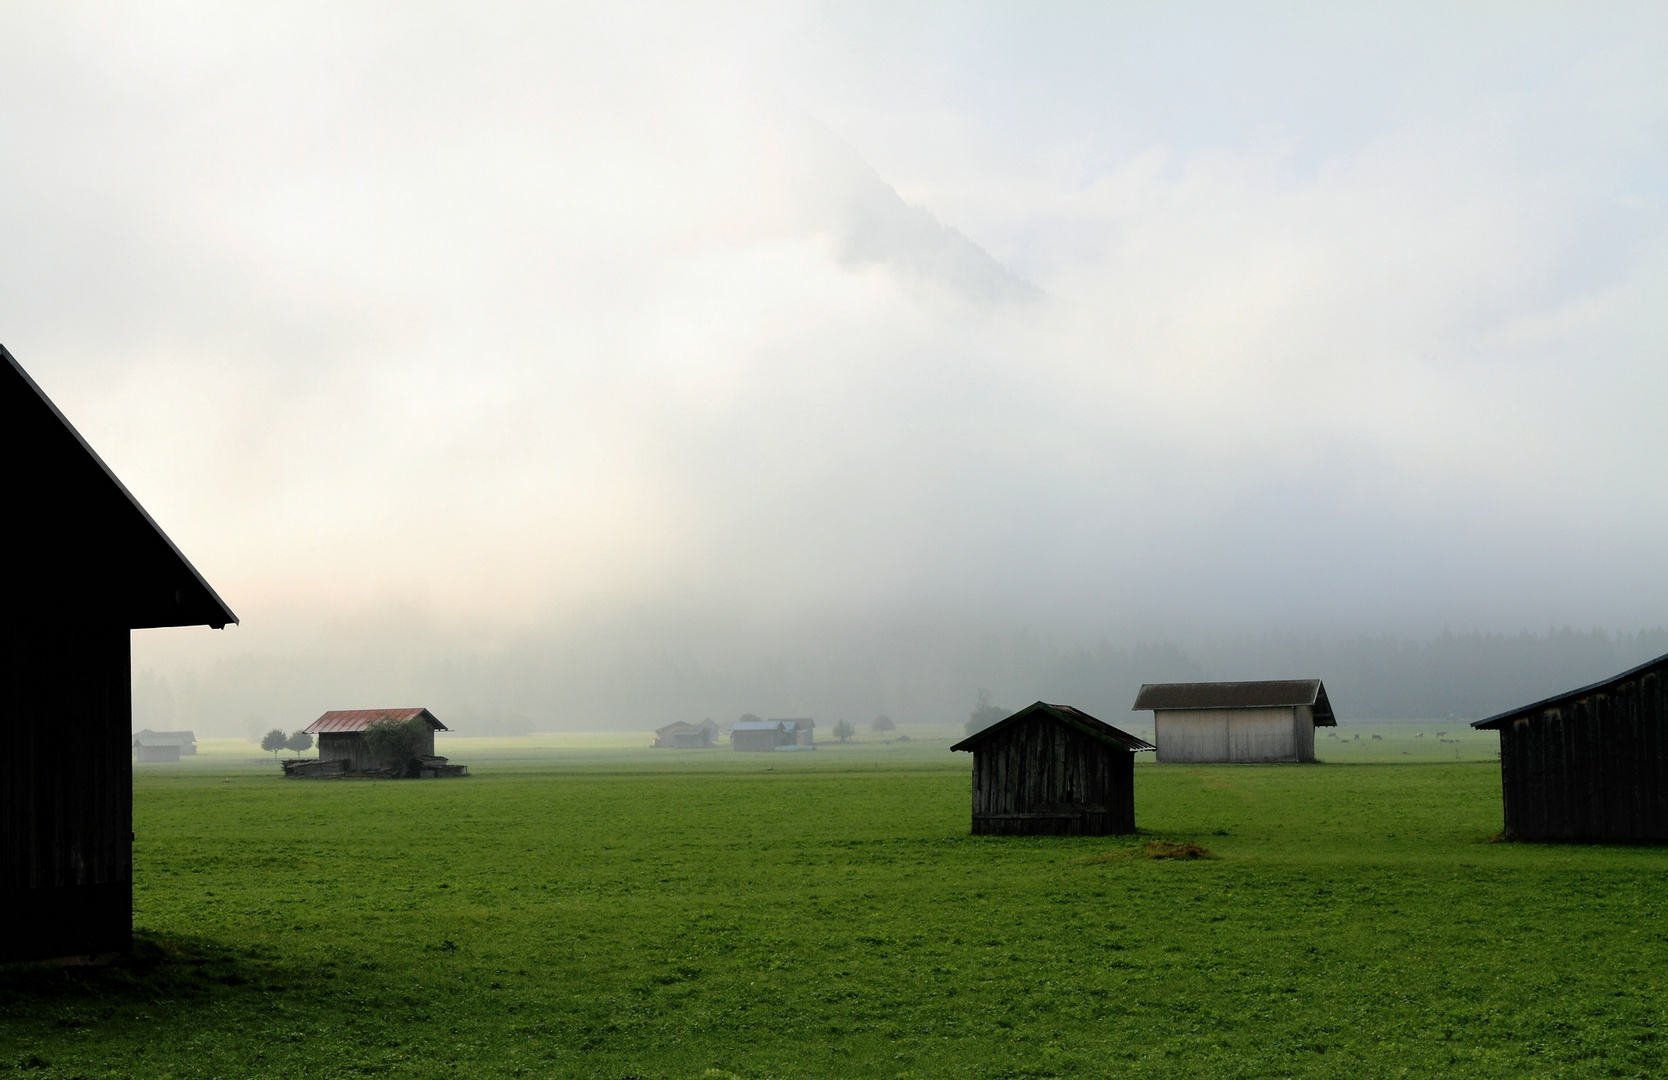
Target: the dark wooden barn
pixel 91 567
pixel 1053 770
pixel 771 734
pixel 1591 764
pixel 341 736
pixel 682 735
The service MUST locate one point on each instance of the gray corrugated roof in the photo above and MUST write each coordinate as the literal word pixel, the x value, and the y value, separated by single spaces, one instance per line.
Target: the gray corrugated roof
pixel 756 725
pixel 1500 720
pixel 1066 714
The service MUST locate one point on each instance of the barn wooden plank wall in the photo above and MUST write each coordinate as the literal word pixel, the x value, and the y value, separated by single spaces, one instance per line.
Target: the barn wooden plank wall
pixel 1043 777
pixel 66 791
pixel 1594 767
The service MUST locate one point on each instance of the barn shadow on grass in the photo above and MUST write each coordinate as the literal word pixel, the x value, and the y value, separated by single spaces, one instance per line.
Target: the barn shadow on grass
pixel 159 970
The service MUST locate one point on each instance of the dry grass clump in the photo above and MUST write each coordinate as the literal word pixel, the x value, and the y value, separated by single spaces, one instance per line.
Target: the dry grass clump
pixel 1152 849
pixel 1173 849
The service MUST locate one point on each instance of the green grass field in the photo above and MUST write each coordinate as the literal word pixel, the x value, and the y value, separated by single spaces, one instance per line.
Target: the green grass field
pixel 600 910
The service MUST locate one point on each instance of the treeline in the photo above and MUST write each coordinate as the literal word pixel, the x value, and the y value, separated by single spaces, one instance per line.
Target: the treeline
pixel 1466 676
pixel 910 673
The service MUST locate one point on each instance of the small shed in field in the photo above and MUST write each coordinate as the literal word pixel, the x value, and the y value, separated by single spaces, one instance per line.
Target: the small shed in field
pixel 802 728
pixel 151 745
pixel 1589 764
pixel 769 734
pixel 1053 770
pixel 681 735
pixel 90 566
pixel 1267 721
pixel 341 736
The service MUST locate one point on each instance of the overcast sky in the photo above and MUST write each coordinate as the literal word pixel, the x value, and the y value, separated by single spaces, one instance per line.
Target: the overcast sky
pixel 446 329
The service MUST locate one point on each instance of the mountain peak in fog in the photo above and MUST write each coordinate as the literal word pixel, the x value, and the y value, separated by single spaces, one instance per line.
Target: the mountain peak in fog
pixel 839 194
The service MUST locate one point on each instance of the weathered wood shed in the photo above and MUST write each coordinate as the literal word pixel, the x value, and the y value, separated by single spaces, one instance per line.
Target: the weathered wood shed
pixel 1053 770
pixel 761 735
pixel 93 567
pixel 341 735
pixel 682 735
pixel 151 745
pixel 1590 764
pixel 1266 721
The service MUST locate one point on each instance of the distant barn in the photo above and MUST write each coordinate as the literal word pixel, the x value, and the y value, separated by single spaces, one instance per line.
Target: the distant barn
pixel 91 566
pixel 771 734
pixel 1267 721
pixel 151 745
pixel 1053 770
pixel 1590 764
pixel 341 739
pixel 682 735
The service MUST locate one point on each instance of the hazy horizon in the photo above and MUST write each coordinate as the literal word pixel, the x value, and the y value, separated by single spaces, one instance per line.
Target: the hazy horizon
pixel 598 360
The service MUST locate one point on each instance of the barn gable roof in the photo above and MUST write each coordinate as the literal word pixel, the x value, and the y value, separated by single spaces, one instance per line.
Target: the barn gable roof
pixel 1500 720
pixel 756 725
pixel 91 551
pixel 1264 694
pixel 1065 714
pixel 347 720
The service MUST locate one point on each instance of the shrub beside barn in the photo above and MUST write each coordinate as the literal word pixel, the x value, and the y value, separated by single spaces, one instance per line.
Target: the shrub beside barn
pixel 1591 763
pixel 96 567
pixel 1053 770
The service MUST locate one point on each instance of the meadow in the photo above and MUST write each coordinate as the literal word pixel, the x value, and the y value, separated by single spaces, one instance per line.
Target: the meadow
pixel 593 909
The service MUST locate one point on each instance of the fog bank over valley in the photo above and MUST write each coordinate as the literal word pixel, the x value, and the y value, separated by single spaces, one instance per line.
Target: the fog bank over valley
pixel 596 368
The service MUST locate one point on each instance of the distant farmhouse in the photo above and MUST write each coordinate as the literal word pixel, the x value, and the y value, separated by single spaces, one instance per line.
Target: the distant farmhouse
pixel 1236 721
pixel 1053 770
pixel 771 734
pixel 151 745
pixel 94 567
pixel 343 750
pixel 1590 764
pixel 685 736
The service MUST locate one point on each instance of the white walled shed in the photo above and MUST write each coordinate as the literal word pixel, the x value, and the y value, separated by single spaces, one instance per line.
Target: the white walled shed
pixel 1272 720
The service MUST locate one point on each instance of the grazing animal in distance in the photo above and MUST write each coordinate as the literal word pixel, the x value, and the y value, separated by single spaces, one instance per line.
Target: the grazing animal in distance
pixel 1378 738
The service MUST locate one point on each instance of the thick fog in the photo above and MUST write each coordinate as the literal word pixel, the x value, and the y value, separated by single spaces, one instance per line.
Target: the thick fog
pixel 608 366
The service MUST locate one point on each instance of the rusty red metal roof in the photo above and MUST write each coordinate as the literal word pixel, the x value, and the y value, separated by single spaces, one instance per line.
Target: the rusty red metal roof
pixel 360 719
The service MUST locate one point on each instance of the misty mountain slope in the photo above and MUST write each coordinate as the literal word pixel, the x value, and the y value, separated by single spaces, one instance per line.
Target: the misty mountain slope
pixel 837 193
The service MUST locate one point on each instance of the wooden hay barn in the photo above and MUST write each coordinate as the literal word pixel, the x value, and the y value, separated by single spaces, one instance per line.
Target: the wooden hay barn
pixel 1053 770
pixel 151 745
pixel 342 746
pixel 770 734
pixel 681 735
pixel 1590 764
pixel 1239 722
pixel 96 567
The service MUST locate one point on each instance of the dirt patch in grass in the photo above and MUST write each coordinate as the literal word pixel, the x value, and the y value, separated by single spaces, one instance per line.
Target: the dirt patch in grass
pixel 1152 849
